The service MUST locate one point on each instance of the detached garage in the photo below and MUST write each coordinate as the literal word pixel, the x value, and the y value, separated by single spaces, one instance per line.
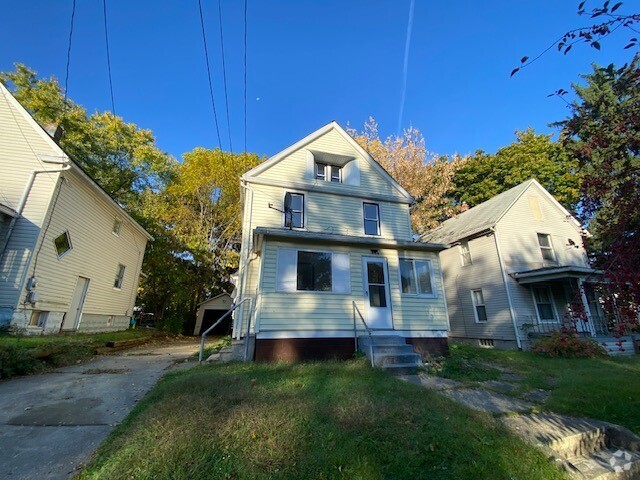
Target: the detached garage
pixel 210 311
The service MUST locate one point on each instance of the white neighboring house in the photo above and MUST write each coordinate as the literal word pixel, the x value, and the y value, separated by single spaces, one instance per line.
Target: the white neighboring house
pixel 515 269
pixel 70 256
pixel 326 238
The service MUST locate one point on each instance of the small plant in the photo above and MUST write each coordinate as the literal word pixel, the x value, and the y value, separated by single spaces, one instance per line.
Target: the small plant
pixel 567 344
pixel 463 363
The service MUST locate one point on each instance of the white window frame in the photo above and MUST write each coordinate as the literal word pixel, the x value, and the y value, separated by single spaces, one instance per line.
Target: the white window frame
pixel 316 174
pixel 304 210
pixel 467 253
pixel 434 292
pixel 549 248
pixel 330 168
pixel 60 255
pixel 476 305
pixel 117 226
pixel 334 284
pixel 553 304
pixel 379 234
pixel 119 280
pixel 327 172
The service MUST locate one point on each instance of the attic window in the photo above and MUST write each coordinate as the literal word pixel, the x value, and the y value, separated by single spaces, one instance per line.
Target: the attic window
pixel 117 226
pixel 329 173
pixel 63 244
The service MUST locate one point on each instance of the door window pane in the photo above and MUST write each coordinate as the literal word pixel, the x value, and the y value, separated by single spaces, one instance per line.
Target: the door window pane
pixel 314 271
pixel 377 296
pixel 375 272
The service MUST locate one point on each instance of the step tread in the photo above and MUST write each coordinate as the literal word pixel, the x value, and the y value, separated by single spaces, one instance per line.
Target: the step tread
pixel 607 461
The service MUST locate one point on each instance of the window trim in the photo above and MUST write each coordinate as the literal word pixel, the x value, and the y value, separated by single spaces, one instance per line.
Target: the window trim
pixel 117 221
pixel 316 175
pixel 462 253
pixel 550 247
pixel 304 209
pixel 418 294
pixel 119 276
pixel 295 291
pixel 475 305
pixel 379 234
pixel 60 255
pixel 327 175
pixel 556 318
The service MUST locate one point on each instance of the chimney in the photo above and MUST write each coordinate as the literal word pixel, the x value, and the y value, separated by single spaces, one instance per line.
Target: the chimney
pixel 54 130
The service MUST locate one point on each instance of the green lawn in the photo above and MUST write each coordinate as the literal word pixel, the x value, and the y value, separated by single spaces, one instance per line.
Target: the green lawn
pixel 24 355
pixel 307 421
pixel 605 388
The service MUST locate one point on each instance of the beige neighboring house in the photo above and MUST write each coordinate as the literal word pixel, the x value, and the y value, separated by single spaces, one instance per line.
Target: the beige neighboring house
pixel 70 256
pixel 515 269
pixel 326 244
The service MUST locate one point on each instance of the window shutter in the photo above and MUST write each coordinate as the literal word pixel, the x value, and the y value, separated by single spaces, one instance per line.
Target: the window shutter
pixel 286 270
pixel 341 273
pixel 351 173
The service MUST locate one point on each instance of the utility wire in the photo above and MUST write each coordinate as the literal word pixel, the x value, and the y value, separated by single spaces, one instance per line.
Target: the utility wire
pixel 66 78
pixel 106 39
pixel 245 75
pixel 206 55
pixel 224 75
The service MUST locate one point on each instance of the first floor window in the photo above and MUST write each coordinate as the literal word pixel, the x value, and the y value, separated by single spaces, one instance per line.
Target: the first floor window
pixel 415 277
pixel 119 276
pixel 371 219
pixel 314 271
pixel 546 248
pixel 544 303
pixel 479 307
pixel 294 210
pixel 63 244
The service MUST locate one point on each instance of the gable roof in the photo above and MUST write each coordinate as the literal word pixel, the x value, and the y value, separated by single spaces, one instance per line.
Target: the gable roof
pixel 486 215
pixel 63 155
pixel 278 157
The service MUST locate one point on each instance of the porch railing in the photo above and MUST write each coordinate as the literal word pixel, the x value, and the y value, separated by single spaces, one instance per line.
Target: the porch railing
pixel 206 332
pixel 591 325
pixel 356 310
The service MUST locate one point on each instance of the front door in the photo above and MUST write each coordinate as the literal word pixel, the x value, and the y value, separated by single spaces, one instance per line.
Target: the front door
pixel 376 292
pixel 74 314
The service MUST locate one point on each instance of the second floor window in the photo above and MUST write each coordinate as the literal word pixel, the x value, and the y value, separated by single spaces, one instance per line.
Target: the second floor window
pixel 371 219
pixel 465 254
pixel 294 210
pixel 546 247
pixel 330 173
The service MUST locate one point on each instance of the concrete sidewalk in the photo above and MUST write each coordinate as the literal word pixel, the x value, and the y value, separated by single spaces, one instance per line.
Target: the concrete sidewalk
pixel 50 424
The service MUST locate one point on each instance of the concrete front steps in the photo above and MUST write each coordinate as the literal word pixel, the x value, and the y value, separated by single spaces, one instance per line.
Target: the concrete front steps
pixel 617 346
pixel 391 353
pixel 586 449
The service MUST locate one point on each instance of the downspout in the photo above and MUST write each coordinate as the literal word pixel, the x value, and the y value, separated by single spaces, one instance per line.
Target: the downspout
pixel 244 259
pixel 25 195
pixel 506 287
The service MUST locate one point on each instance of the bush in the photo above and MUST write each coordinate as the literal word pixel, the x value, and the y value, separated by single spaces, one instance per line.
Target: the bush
pixel 17 361
pixel 568 345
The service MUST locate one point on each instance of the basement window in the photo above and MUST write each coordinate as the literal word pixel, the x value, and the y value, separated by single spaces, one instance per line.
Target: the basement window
pixel 62 244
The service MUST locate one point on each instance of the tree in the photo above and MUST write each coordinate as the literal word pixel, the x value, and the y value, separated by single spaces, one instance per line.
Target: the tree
pixel 603 132
pixel 121 157
pixel 426 176
pixel 531 156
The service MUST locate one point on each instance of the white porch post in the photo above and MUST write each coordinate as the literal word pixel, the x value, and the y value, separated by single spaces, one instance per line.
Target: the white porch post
pixel 585 304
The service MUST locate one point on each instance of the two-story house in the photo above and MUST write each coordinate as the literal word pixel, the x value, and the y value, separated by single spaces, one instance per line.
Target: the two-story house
pixel 516 268
pixel 70 256
pixel 327 248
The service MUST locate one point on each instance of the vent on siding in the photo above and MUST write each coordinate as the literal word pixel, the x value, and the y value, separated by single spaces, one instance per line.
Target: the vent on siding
pixel 486 342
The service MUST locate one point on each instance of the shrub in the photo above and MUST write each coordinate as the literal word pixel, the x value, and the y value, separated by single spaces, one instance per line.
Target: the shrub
pixel 17 361
pixel 568 345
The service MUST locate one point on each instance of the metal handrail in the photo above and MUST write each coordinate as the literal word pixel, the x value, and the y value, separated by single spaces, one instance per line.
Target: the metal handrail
pixel 233 307
pixel 355 332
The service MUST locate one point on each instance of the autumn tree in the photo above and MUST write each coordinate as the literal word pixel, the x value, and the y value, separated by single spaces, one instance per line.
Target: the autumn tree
pixel 532 155
pixel 426 176
pixel 603 133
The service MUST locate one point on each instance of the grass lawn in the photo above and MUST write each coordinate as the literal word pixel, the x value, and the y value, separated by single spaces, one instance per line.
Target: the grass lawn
pixel 605 388
pixel 23 355
pixel 307 421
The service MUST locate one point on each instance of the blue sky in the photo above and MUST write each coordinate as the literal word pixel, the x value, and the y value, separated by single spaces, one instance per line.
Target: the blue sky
pixel 310 62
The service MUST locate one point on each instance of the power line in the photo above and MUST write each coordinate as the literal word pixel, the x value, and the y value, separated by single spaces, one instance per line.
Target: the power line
pixel 206 55
pixel 245 75
pixel 106 39
pixel 66 78
pixel 224 75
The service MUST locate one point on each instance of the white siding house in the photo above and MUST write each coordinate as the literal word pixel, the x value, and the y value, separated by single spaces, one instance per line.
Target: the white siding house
pixel 326 235
pixel 516 267
pixel 70 257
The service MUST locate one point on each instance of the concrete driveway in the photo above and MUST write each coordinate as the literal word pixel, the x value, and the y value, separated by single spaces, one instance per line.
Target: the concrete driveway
pixel 51 424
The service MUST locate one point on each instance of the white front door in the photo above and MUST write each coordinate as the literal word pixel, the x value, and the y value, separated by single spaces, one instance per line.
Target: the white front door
pixel 73 315
pixel 376 292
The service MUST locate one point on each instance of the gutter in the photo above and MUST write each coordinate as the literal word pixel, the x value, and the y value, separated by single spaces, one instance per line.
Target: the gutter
pixel 506 287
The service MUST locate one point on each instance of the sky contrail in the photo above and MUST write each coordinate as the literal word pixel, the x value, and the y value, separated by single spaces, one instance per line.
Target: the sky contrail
pixel 405 66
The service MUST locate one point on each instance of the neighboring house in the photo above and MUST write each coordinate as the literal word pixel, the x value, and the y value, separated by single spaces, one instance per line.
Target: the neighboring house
pixel 515 269
pixel 210 311
pixel 70 256
pixel 327 243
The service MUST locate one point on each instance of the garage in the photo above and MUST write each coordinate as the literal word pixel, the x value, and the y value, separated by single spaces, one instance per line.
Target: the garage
pixel 210 311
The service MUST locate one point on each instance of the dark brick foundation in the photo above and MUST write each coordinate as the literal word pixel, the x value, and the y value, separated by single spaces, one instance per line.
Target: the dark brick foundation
pixel 430 347
pixel 300 349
